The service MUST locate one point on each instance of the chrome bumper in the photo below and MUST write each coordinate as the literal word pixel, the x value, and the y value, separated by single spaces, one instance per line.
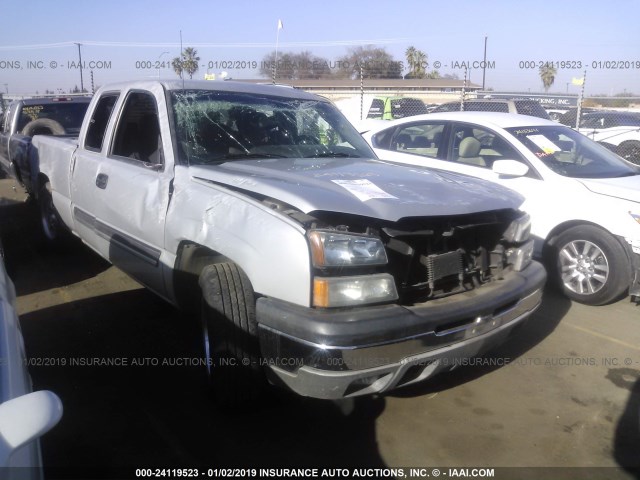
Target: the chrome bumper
pixel 333 371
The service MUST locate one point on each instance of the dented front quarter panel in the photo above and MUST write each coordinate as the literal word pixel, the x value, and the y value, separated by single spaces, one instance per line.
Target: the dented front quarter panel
pixel 268 246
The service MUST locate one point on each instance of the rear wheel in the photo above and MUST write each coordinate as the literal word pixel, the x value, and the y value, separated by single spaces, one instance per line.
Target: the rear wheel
pixel 230 335
pixel 591 265
pixel 630 151
pixel 50 221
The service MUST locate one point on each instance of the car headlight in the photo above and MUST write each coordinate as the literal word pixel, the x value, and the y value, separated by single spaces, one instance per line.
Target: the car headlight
pixel 520 229
pixel 353 291
pixel 335 249
pixel 346 250
pixel 521 256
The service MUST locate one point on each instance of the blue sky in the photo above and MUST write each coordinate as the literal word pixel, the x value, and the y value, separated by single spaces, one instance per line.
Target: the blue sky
pixel 37 51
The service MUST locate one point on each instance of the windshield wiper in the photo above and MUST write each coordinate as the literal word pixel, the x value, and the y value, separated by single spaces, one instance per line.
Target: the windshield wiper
pixel 235 156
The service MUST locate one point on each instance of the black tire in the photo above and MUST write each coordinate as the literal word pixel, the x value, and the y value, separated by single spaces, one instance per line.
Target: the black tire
pixel 51 225
pixel 230 335
pixel 630 151
pixel 590 265
pixel 43 126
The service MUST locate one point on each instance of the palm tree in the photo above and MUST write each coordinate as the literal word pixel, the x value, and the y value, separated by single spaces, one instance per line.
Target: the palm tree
pixel 547 75
pixel 420 63
pixel 190 61
pixel 417 61
pixel 410 54
pixel 176 63
pixel 186 62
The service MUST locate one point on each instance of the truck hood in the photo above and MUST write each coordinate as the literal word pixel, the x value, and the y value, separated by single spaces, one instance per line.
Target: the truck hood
pixel 626 188
pixel 369 188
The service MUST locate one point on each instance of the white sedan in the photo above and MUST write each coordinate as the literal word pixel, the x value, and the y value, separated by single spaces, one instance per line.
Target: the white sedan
pixel 584 200
pixel 24 415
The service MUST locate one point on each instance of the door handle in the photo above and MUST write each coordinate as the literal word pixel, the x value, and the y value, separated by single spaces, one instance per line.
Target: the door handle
pixel 101 180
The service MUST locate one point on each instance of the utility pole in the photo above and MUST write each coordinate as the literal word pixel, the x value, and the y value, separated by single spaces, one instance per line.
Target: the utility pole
pixel 80 57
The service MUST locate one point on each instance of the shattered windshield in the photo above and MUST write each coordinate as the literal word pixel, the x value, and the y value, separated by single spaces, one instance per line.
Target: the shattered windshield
pixel 214 127
pixel 572 154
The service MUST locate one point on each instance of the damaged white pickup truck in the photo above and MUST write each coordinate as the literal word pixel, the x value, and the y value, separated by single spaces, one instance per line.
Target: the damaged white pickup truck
pixel 313 265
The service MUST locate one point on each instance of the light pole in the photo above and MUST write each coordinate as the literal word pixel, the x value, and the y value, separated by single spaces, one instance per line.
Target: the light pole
pixel 80 57
pixel 484 63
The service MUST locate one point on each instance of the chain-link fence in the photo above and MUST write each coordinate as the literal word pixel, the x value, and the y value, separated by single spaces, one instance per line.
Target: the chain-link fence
pixel 612 121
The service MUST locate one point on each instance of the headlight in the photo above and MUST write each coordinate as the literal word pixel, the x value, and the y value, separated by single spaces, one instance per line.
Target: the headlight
pixel 519 230
pixel 520 257
pixel 334 249
pixel 353 291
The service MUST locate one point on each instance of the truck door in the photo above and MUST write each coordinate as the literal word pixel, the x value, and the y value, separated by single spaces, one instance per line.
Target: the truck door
pixel 125 193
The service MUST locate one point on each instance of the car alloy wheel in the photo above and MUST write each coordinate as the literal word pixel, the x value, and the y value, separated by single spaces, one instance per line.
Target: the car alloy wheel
pixel 584 267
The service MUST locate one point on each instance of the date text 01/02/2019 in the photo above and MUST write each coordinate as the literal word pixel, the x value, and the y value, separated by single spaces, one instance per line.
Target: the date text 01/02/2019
pixel 580 65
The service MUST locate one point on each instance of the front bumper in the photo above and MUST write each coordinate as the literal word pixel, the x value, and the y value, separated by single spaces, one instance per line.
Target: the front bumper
pixel 335 354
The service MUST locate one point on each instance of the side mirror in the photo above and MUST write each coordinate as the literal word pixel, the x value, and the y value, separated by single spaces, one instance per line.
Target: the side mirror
pixel 510 168
pixel 26 418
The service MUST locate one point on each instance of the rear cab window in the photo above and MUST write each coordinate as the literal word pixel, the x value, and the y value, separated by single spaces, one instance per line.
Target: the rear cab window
pixel 98 124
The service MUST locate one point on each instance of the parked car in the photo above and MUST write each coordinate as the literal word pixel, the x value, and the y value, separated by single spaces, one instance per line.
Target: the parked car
pixel 35 116
pixel 619 131
pixel 556 113
pixel 523 107
pixel 309 261
pixel 24 415
pixel 391 108
pixel 584 200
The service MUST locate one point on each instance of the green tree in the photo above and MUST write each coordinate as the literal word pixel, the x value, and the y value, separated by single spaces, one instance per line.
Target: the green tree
pixel 296 66
pixel 187 62
pixel 547 75
pixel 372 61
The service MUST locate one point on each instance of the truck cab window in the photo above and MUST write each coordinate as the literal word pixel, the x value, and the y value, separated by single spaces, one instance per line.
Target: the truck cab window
pixel 138 131
pixel 99 121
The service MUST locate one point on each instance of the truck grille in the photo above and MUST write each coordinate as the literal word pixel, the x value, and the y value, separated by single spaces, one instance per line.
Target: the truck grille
pixel 432 258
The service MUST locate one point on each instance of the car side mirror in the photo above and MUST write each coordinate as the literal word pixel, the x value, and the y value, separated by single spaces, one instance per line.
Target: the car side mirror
pixel 25 418
pixel 510 168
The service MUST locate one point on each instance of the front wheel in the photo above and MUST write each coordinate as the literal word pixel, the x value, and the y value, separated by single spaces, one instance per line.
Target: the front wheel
pixel 591 265
pixel 230 335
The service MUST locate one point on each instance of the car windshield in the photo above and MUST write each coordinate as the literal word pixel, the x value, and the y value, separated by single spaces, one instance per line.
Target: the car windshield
pixel 215 127
pixel 571 154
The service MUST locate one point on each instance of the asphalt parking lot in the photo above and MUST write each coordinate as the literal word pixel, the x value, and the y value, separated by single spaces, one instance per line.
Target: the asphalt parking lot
pixel 564 393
